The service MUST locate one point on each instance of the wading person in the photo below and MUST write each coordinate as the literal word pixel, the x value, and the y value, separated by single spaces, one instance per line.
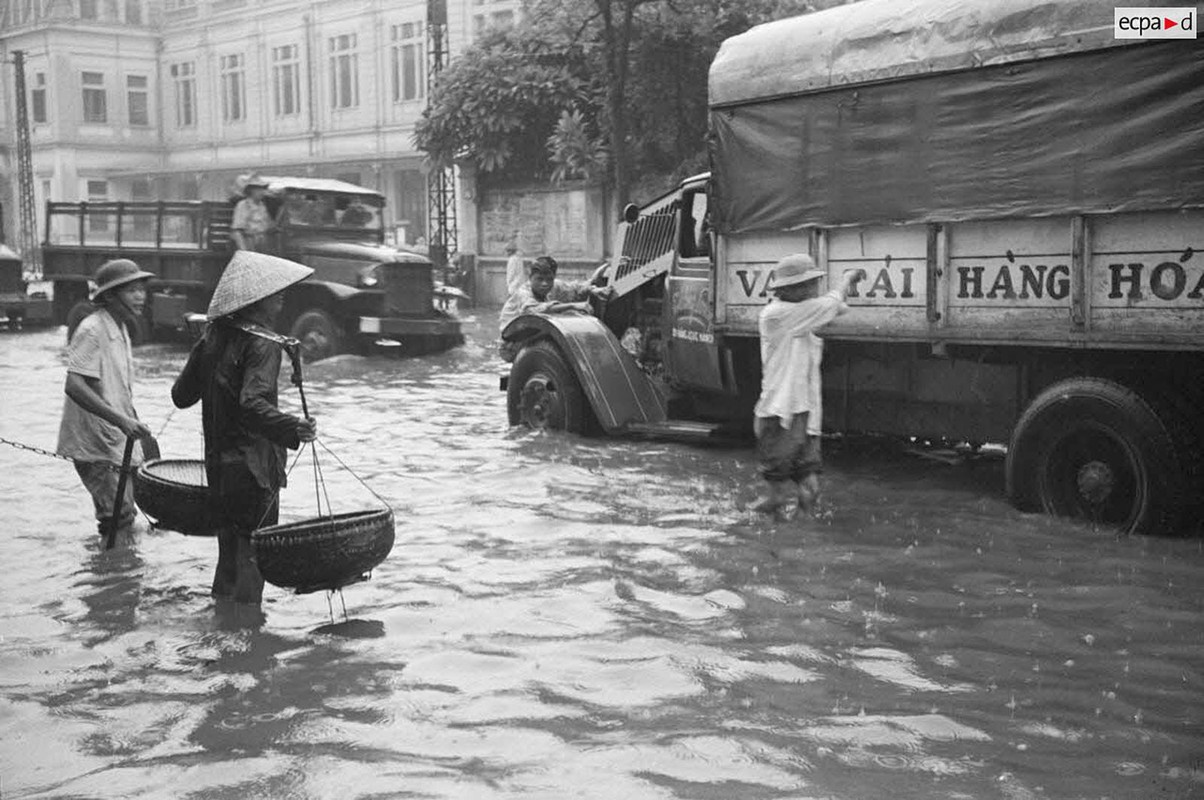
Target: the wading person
pixel 251 223
pixel 544 294
pixel 233 372
pixel 98 414
pixel 788 414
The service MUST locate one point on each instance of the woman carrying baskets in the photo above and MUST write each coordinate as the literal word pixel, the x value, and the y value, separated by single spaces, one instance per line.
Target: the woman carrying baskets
pixel 233 372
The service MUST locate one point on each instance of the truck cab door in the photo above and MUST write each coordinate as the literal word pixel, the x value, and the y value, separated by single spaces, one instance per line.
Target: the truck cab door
pixel 691 350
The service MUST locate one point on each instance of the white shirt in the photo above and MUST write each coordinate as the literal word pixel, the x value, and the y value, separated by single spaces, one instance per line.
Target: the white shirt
pixel 791 354
pixel 99 349
pixel 516 274
pixel 523 302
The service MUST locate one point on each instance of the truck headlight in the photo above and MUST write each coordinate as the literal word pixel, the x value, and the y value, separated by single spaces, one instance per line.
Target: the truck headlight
pixel 369 277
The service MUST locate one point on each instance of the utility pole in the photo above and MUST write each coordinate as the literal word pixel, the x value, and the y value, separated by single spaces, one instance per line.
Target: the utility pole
pixel 27 236
pixel 440 183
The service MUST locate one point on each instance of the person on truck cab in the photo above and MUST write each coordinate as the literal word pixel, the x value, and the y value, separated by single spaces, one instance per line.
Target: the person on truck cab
pixel 544 294
pixel 788 414
pixel 252 220
pixel 98 414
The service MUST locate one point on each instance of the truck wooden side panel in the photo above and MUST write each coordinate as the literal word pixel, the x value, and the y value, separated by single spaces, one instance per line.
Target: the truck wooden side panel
pixel 1100 281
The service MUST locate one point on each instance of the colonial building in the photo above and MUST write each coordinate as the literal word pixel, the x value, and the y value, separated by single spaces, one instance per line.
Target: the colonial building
pixel 173 99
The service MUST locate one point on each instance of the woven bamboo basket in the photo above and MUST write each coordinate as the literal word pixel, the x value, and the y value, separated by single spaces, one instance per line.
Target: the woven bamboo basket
pixel 172 492
pixel 323 553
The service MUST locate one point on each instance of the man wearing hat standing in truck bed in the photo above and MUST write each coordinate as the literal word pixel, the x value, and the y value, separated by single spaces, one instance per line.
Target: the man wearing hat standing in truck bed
pixel 98 414
pixel 252 221
pixel 233 371
pixel 788 415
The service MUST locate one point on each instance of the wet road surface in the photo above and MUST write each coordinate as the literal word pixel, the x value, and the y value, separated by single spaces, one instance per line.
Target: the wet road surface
pixel 563 617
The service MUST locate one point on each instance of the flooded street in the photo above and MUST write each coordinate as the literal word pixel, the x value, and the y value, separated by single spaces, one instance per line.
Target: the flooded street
pixel 566 617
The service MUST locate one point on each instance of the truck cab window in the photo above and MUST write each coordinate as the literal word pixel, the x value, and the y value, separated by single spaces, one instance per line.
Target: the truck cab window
pixel 695 240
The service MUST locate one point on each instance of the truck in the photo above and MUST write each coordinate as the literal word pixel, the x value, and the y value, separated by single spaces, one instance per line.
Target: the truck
pixel 364 293
pixel 1025 193
pixel 20 303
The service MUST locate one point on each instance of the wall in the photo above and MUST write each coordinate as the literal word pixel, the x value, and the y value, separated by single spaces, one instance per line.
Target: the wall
pixel 567 221
pixel 372 139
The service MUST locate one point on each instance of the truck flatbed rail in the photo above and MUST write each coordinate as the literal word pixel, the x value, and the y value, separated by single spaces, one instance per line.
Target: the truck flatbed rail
pixel 178 225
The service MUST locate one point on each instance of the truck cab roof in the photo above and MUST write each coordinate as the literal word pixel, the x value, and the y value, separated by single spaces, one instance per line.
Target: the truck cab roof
pixel 281 185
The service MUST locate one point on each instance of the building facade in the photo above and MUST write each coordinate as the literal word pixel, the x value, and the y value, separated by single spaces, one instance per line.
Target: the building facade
pixel 174 99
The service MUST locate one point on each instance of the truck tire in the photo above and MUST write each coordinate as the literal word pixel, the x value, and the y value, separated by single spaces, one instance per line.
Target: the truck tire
pixel 319 334
pixel 1093 449
pixel 543 393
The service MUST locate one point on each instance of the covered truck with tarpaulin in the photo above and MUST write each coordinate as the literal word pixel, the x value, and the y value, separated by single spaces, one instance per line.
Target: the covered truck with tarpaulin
pixel 1025 192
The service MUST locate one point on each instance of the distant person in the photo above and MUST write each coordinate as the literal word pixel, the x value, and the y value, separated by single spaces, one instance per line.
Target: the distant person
pixel 356 215
pixel 252 221
pixel 307 212
pixel 788 415
pixel 233 371
pixel 516 273
pixel 98 414
pixel 544 294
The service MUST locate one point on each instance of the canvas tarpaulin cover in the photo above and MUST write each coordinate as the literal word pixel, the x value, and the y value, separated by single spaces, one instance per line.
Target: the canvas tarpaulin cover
pixel 1084 131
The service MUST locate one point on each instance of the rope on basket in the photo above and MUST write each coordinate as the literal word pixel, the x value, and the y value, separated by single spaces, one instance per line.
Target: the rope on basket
pixel 292 347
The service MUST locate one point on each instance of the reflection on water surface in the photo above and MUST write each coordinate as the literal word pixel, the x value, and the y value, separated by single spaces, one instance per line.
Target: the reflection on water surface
pixel 563 617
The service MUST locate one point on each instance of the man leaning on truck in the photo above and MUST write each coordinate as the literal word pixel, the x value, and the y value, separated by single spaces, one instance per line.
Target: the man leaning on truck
pixel 789 411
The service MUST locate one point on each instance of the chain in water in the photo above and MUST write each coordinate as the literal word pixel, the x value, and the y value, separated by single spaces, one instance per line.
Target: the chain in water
pixel 31 449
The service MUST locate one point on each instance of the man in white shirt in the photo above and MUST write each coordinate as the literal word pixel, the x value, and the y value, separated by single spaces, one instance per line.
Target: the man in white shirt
pixel 789 412
pixel 516 273
pixel 98 413
pixel 251 222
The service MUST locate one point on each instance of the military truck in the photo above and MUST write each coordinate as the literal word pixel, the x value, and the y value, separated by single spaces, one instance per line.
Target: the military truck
pixel 1026 195
pixel 20 304
pixel 363 293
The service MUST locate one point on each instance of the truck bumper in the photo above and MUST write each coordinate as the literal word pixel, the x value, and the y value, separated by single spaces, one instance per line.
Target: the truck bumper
pixel 401 326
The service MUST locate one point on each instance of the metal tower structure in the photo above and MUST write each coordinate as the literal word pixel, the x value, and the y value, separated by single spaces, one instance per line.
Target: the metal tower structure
pixel 27 235
pixel 440 183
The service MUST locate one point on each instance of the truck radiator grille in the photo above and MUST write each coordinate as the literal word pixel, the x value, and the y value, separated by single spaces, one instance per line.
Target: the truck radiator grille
pixel 409 289
pixel 647 245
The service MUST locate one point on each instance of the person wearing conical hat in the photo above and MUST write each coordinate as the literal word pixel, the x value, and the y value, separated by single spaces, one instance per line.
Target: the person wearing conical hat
pixel 98 414
pixel 788 413
pixel 232 370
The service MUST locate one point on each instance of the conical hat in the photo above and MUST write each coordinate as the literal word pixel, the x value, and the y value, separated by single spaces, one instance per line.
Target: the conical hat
pixel 250 277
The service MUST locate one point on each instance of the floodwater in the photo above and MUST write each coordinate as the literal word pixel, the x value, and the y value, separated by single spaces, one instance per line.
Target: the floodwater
pixel 572 618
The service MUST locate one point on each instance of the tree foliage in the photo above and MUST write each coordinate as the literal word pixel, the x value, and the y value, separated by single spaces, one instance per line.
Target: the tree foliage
pixel 497 103
pixel 585 88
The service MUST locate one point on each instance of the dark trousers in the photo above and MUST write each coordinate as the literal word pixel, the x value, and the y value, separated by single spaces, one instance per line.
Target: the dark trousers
pixel 100 479
pixel 242 505
pixel 786 454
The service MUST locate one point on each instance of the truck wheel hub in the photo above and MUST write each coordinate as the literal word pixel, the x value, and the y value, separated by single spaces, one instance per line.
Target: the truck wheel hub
pixel 539 398
pixel 1096 482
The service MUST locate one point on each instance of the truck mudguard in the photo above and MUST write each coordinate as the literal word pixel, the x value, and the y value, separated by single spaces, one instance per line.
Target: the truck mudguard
pixel 618 390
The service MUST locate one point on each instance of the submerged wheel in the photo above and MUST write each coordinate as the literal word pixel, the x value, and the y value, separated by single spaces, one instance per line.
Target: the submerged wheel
pixel 319 334
pixel 543 393
pixel 1095 450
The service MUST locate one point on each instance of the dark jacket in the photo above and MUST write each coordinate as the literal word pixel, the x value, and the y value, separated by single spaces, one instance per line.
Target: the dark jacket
pixel 233 373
